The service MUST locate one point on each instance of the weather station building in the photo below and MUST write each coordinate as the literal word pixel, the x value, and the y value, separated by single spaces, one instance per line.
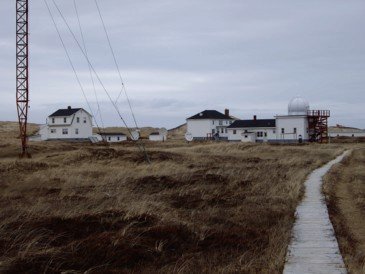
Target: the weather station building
pixel 68 124
pixel 301 124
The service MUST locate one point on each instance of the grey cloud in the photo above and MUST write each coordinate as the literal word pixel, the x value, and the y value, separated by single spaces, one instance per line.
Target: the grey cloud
pixel 180 57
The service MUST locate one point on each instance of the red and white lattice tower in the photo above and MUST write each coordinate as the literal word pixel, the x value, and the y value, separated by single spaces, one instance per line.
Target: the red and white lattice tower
pixel 22 71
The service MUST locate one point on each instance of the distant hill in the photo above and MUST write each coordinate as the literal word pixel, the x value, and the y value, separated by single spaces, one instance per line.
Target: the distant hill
pixel 9 131
pixel 177 132
pixel 12 128
pixel 344 129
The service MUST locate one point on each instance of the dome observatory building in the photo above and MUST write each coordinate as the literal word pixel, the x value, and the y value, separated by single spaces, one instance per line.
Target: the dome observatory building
pixel 302 123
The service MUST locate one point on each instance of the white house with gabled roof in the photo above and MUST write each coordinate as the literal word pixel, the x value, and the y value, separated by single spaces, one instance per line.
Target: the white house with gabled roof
pixel 209 124
pixel 68 124
pixel 255 130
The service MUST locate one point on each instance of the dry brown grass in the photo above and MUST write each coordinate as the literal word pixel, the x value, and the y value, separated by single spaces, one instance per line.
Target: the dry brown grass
pixel 205 207
pixel 345 195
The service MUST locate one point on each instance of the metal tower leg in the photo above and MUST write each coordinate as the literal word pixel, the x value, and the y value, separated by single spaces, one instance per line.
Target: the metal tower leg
pixel 22 71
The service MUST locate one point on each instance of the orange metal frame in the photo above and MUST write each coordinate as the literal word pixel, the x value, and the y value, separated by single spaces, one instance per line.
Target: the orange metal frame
pixel 318 125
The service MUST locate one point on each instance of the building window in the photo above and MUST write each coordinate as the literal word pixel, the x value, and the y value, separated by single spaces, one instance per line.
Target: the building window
pixel 234 131
pixel 76 131
pixel 65 120
pixel 246 136
pixel 221 123
pixel 64 131
pixel 213 131
pixel 260 134
pixel 295 130
pixel 53 121
pixel 53 130
pixel 213 122
pixel 77 119
pixel 265 134
pixel 225 130
pixel 109 138
pixel 283 130
pixel 84 120
pixel 222 130
pixel 274 131
pixel 230 122
pixel 118 138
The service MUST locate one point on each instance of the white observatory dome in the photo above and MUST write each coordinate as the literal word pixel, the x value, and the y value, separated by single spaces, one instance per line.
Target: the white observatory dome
pixel 298 106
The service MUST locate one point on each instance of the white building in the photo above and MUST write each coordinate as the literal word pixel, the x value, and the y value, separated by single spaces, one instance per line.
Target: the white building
pixel 342 131
pixel 294 126
pixel 284 128
pixel 157 137
pixel 112 137
pixel 209 124
pixel 255 130
pixel 300 125
pixel 68 124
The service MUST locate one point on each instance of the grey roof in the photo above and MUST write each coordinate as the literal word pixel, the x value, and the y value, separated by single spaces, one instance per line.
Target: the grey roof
pixel 65 112
pixel 210 114
pixel 253 123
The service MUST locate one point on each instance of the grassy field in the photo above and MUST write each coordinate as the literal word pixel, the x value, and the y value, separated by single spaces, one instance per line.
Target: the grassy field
pixel 345 194
pixel 204 207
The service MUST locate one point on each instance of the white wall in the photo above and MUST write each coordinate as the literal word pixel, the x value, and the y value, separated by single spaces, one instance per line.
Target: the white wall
pixel 158 138
pixel 114 138
pixel 347 134
pixel 288 123
pixel 248 137
pixel 270 133
pixel 43 131
pixel 200 128
pixel 83 125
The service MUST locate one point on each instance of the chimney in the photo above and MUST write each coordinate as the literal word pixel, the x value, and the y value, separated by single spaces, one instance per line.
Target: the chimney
pixel 69 107
pixel 254 117
pixel 226 112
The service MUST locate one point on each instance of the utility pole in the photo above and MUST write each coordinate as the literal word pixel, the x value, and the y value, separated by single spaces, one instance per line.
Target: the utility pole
pixel 22 72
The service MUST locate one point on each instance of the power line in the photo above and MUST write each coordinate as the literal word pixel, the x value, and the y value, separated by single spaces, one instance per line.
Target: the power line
pixel 116 65
pixel 139 143
pixel 90 71
pixel 71 63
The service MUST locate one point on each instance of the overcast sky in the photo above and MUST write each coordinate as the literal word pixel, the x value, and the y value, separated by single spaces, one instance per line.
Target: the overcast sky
pixel 180 57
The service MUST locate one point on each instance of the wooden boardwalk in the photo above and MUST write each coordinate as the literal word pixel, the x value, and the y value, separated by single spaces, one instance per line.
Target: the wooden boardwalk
pixel 314 248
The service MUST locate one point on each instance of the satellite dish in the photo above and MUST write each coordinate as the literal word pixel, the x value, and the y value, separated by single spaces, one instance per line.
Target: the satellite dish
pixel 189 137
pixel 135 136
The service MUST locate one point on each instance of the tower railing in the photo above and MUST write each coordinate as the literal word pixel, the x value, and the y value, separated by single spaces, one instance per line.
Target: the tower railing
pixel 319 113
